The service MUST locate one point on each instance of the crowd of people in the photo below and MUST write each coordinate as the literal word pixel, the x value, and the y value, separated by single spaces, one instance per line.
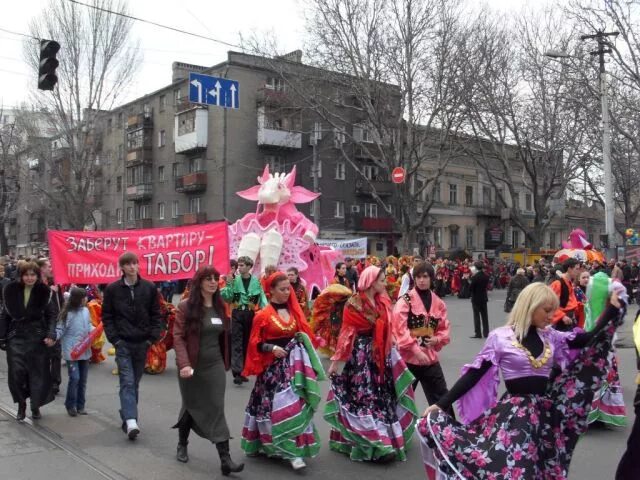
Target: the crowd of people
pixel 381 322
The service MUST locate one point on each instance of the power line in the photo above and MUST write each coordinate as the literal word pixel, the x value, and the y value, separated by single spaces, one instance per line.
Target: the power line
pixel 19 33
pixel 167 27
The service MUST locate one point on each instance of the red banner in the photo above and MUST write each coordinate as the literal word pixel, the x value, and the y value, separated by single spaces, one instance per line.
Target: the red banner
pixel 164 253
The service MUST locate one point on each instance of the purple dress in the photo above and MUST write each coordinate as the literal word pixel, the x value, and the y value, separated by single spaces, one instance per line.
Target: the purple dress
pixel 528 436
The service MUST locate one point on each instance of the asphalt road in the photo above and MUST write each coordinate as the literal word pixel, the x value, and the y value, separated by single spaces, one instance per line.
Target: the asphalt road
pixel 94 447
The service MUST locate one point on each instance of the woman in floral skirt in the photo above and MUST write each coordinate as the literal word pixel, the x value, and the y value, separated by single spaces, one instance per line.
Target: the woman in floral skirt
pixel 370 406
pixel 530 433
pixel 278 419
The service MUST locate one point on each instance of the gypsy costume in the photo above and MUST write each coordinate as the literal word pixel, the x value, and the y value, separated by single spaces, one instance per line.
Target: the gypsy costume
pixel 530 433
pixel 608 403
pixel 342 280
pixel 156 361
pixel 418 317
pixel 94 304
pixel 465 274
pixel 302 296
pixel 279 416
pixel 370 406
pixel 327 316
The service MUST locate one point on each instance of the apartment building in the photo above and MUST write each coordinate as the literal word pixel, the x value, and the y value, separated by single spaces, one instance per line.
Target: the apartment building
pixel 170 162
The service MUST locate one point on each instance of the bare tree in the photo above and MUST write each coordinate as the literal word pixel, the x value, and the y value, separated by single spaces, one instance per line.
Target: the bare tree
pixel 529 128
pixel 97 63
pixel 396 72
pixel 623 91
pixel 10 145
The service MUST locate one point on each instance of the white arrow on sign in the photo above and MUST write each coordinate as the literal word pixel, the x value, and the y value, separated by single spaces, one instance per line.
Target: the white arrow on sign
pixel 233 95
pixel 216 94
pixel 198 85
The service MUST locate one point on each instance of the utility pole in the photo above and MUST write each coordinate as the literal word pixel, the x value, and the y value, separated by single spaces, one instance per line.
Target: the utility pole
pixel 609 206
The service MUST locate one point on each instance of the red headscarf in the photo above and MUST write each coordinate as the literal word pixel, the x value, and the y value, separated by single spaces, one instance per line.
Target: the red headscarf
pixel 361 315
pixel 256 361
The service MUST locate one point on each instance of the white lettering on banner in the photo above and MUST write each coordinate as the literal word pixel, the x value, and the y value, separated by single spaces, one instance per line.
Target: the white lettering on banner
pixel 170 240
pixel 356 248
pixel 171 263
pixel 102 244
pixel 93 270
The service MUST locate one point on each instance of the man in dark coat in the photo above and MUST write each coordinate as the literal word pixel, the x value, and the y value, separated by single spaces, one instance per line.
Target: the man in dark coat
pixel 479 299
pixel 132 323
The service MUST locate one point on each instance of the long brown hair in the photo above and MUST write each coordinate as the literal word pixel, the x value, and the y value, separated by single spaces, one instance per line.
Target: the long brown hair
pixel 73 304
pixel 195 303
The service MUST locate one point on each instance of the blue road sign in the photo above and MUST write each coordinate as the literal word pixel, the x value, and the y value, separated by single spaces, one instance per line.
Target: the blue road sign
pixel 209 90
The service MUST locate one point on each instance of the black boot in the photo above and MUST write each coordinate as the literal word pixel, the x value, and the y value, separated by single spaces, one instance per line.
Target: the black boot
pixel 182 454
pixel 226 464
pixel 22 411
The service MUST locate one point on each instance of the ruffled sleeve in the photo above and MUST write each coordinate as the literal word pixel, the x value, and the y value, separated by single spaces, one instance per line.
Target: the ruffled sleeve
pixel 563 354
pixel 484 394
pixel 256 361
pixel 344 346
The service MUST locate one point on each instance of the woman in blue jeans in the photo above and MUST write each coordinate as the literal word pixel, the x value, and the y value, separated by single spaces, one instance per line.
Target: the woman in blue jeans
pixel 74 324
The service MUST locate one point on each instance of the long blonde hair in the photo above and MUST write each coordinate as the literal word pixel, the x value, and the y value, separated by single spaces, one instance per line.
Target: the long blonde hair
pixel 532 297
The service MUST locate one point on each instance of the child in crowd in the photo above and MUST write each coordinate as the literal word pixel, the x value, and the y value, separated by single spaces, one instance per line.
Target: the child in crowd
pixel 74 324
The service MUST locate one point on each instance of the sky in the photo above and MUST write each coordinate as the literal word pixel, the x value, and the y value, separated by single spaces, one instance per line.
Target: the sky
pixel 221 19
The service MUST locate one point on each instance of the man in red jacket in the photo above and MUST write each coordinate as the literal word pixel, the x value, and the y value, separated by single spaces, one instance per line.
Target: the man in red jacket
pixel 565 316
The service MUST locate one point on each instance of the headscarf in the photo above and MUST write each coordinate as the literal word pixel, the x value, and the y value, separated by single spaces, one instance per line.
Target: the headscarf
pixel 367 277
pixel 381 332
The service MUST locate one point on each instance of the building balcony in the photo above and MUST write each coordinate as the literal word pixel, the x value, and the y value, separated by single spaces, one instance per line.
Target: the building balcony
pixel 36 236
pixel 271 96
pixel 139 156
pixel 141 191
pixel 191 129
pixel 191 218
pixel 488 211
pixel 382 188
pixel 271 137
pixel 192 182
pixel 360 223
pixel 140 120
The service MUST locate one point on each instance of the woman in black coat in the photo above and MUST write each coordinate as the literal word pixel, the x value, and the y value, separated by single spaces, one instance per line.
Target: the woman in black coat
pixel 27 329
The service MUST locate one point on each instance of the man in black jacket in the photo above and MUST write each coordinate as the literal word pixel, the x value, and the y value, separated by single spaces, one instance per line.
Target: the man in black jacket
pixel 132 323
pixel 479 299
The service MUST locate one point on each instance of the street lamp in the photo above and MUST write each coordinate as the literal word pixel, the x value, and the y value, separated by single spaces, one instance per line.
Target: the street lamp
pixel 609 206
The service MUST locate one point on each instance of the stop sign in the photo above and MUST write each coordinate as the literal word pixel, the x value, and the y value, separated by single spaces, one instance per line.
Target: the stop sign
pixel 397 175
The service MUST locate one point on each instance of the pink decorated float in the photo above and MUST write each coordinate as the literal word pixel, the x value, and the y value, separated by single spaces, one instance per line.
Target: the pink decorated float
pixel 578 247
pixel 280 235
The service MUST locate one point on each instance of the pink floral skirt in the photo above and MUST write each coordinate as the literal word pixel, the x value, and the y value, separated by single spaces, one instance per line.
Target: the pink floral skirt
pixel 527 437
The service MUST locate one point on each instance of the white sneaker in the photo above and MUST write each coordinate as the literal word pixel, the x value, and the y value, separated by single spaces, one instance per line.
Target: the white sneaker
pixel 132 429
pixel 298 463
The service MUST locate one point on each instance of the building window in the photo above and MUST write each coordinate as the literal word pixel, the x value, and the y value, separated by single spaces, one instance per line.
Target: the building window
pixel 371 210
pixel 528 204
pixel 121 152
pixel 319 166
pixel 453 194
pixel 371 172
pixel 470 240
pixel 163 102
pixel 553 239
pixel 454 239
pixel 177 96
pixel 516 200
pixel 437 236
pixel 276 163
pixel 161 173
pixel 468 195
pixel 135 139
pixel 174 170
pixel 144 212
pixel 338 137
pixel 130 217
pixel 109 124
pixel 436 192
pixel 339 209
pixel 118 184
pixel 195 164
pixel 341 170
pixel 162 138
pixel 486 196
pixel 119 216
pixel 175 209
pixel 186 122
pixel 194 205
pixel 275 83
pixel 120 123
pixel 161 211
pixel 515 238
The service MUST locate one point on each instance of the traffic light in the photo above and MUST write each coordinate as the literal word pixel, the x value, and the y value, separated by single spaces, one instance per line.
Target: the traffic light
pixel 48 63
